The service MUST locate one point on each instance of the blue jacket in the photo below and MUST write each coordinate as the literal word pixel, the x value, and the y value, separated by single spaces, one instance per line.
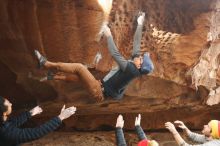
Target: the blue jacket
pixel 115 84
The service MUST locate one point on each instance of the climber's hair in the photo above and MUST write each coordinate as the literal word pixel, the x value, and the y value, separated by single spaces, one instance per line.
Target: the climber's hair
pixel 3 109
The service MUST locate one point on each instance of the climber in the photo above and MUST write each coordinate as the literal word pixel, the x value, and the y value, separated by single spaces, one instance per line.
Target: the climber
pixel 11 134
pixel 143 141
pixel 113 85
pixel 209 137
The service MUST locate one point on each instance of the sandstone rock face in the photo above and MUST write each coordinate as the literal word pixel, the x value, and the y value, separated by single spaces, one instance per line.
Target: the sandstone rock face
pixel 175 34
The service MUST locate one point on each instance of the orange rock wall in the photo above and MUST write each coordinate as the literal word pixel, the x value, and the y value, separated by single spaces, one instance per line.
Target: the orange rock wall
pixel 174 33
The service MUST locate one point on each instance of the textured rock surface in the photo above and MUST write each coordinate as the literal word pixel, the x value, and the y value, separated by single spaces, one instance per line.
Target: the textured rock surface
pixel 175 34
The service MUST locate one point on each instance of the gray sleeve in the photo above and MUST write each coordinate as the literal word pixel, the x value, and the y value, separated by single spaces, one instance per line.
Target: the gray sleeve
pixel 210 143
pixel 197 137
pixel 115 54
pixel 137 40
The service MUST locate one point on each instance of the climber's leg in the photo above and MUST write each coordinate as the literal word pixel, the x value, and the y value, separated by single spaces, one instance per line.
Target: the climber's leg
pixel 93 85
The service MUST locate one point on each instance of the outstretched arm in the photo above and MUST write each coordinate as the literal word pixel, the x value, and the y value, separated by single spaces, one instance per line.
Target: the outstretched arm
pixel 120 137
pixel 138 34
pixel 121 61
pixel 120 140
pixel 193 136
pixel 140 133
pixel 138 129
pixel 28 134
pixel 177 136
pixel 22 118
pixel 175 133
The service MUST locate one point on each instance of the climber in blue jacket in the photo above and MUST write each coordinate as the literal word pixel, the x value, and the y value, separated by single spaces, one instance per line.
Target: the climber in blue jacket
pixel 113 85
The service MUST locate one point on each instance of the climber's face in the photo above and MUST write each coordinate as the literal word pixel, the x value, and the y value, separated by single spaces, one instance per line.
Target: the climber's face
pixel 138 61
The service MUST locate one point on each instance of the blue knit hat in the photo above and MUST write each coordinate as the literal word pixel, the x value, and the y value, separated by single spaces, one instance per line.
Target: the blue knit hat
pixel 147 65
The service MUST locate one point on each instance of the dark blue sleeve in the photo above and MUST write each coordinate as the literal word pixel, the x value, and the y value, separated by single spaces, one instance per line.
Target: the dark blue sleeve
pixel 120 140
pixel 28 134
pixel 140 133
pixel 21 119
